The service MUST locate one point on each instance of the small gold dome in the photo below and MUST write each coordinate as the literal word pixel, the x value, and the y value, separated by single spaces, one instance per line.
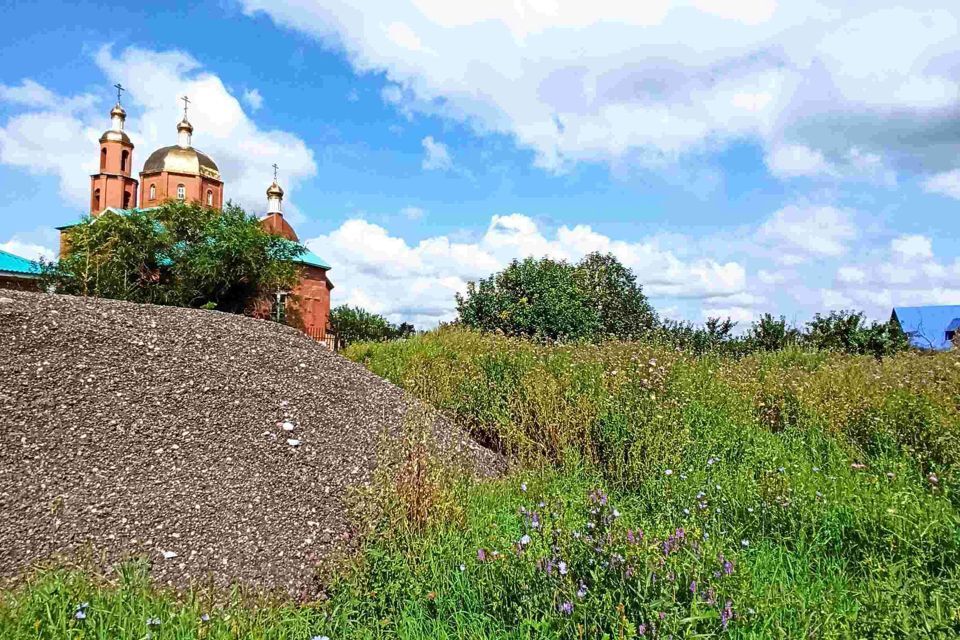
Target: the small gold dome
pixel 184 125
pixel 274 191
pixel 118 111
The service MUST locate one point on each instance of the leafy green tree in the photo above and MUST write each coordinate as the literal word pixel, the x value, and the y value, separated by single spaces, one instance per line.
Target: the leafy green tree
pixel 179 254
pixel 552 299
pixel 773 334
pixel 848 332
pixel 353 324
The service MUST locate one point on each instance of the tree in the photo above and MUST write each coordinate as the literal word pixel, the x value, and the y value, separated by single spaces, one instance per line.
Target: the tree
pixel 773 334
pixel 179 254
pixel 552 299
pixel 848 332
pixel 353 324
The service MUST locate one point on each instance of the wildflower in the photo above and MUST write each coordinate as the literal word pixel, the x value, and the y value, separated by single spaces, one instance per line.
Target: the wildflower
pixel 153 622
pixel 582 590
pixel 711 460
pixel 463 567
pixel 686 511
pixel 534 521
pixel 576 535
pixel 525 540
pixel 744 543
pixel 726 615
pixel 933 479
pixel 320 638
pixel 80 614
pixel 727 567
pixel 562 567
pixel 642 629
pixel 781 469
pixel 616 514
pixel 205 618
pixel 523 487
pixel 816 469
pixel 858 466
pixel 668 472
pixel 693 586
pixel 481 555
pixel 566 608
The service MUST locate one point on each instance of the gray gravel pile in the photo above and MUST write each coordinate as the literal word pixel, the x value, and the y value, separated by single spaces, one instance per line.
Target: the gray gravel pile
pixel 220 447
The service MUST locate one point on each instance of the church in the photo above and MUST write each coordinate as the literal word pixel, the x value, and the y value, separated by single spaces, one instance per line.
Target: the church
pixel 182 172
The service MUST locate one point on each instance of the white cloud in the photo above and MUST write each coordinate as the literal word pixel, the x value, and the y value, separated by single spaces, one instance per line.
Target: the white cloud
pixel 600 80
pixel 413 213
pixel 797 233
pixel 28 250
pixel 946 183
pixel 253 99
pixel 435 154
pixel 793 160
pixel 912 247
pixel 418 282
pixel 58 135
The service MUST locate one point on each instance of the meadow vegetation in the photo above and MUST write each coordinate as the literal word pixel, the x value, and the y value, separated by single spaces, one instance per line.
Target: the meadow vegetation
pixel 654 493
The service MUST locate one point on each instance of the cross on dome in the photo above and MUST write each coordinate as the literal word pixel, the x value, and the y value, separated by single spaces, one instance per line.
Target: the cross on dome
pixel 119 88
pixel 186 103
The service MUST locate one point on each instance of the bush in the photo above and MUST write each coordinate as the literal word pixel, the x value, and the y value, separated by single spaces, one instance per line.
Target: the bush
pixel 553 300
pixel 353 324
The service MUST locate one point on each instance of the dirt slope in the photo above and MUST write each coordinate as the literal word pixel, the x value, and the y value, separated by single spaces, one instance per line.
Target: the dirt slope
pixel 135 429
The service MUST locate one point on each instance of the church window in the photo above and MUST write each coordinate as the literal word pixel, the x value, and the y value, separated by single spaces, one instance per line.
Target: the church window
pixel 126 199
pixel 209 198
pixel 153 192
pixel 124 158
pixel 181 192
pixel 95 200
pixel 103 159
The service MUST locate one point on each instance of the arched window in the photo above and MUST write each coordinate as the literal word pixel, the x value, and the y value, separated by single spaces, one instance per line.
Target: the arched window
pixel 95 200
pixel 209 198
pixel 181 192
pixel 124 157
pixel 153 192
pixel 103 159
pixel 126 199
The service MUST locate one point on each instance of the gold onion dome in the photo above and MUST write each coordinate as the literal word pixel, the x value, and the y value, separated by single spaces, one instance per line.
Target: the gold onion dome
pixel 185 160
pixel 274 191
pixel 184 125
pixel 118 111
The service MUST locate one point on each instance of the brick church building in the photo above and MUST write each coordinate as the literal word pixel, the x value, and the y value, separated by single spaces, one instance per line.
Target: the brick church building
pixel 182 172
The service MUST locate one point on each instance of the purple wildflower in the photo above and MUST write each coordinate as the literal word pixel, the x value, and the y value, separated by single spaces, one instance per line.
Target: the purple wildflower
pixel 566 608
pixel 727 567
pixel 582 590
pixel 693 586
pixel 482 555
pixel 630 537
pixel 562 567
pixel 726 615
pixel 642 629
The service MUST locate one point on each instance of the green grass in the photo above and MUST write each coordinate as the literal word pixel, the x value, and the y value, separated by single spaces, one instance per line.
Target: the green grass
pixel 827 482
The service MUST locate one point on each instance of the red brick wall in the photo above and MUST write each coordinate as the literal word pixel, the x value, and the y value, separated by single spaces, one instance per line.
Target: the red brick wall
pixel 167 183
pixel 313 295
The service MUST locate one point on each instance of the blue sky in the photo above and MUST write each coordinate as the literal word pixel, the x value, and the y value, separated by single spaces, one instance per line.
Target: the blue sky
pixel 740 157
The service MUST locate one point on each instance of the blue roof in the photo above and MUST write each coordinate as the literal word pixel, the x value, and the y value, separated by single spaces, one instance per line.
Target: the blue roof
pixel 926 327
pixel 10 263
pixel 311 259
pixel 954 324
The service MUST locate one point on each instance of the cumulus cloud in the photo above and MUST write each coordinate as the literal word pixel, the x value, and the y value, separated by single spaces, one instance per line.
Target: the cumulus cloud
pixel 58 135
pixel 435 155
pixel 946 183
pixel 418 282
pixel 818 84
pixel 912 247
pixel 27 247
pixel 798 233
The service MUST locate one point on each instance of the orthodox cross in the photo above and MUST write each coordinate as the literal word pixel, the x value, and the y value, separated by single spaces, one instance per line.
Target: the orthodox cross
pixel 275 167
pixel 119 88
pixel 186 103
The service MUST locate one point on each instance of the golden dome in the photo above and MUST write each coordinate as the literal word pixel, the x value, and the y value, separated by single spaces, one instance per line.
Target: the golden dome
pixel 118 111
pixel 184 125
pixel 186 160
pixel 115 136
pixel 274 191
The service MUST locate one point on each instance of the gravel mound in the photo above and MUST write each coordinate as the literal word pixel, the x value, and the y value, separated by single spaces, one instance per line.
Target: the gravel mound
pixel 138 430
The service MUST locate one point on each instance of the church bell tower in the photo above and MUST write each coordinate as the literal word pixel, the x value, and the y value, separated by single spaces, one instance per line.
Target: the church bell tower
pixel 113 186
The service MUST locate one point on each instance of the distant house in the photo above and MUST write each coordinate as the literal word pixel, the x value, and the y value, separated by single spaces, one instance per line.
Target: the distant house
pixel 18 273
pixel 929 327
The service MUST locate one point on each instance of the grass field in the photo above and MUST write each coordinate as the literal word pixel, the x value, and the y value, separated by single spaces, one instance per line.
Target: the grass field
pixel 785 495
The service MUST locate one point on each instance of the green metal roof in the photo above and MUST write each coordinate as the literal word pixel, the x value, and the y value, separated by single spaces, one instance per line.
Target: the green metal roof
pixel 10 263
pixel 311 259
